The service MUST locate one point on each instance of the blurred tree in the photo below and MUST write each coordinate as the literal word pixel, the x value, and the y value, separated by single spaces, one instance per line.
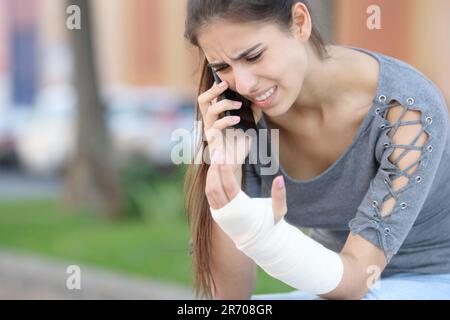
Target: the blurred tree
pixel 92 178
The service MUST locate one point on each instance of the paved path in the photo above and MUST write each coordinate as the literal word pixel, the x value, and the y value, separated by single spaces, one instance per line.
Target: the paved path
pixel 34 277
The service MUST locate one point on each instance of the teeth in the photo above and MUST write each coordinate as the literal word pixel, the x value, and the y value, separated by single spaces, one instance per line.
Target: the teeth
pixel 266 95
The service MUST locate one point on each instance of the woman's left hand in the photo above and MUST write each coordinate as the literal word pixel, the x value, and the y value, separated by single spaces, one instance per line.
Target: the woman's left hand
pixel 222 187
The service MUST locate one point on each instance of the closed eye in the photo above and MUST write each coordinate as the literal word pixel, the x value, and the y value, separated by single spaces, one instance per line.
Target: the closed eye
pixel 255 58
pixel 249 59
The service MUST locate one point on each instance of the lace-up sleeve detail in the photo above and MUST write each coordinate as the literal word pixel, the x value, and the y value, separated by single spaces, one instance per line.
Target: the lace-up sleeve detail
pixel 409 149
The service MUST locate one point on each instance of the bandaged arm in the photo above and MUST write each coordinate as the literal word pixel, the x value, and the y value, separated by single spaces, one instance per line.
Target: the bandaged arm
pixel 281 250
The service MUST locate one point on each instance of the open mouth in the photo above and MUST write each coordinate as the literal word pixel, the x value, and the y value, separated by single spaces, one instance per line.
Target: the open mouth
pixel 266 95
pixel 267 98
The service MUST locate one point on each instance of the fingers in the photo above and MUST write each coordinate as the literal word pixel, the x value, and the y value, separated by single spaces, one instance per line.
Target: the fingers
pixel 279 203
pixel 221 184
pixel 229 183
pixel 226 122
pixel 205 99
pixel 215 193
pixel 214 135
pixel 213 112
pixel 210 110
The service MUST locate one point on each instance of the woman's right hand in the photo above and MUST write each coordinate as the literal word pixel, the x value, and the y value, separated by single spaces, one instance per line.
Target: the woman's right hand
pixel 234 149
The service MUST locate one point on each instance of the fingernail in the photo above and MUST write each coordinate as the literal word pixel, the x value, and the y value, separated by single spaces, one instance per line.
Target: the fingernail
pixel 236 119
pixel 280 183
pixel 237 103
pixel 223 84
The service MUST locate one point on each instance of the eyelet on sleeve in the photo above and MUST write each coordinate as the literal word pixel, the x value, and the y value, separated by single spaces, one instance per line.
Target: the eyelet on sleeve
pixel 389 231
pixel 382 98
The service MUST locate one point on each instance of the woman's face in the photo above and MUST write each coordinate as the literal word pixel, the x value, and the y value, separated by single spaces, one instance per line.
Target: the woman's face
pixel 271 75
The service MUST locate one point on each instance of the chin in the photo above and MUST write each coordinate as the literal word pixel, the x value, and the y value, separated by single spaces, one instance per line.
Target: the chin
pixel 276 111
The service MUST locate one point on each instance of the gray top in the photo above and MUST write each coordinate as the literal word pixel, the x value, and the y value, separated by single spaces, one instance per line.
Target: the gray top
pixel 349 195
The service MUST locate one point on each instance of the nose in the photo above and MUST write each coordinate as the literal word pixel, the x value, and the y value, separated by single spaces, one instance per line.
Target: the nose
pixel 245 81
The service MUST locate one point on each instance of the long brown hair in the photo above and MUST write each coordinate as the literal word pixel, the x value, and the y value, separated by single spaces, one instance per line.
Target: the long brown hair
pixel 199 13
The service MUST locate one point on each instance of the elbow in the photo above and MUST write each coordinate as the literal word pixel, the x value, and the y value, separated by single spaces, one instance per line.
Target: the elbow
pixel 357 295
pixel 354 294
pixel 354 284
pixel 362 290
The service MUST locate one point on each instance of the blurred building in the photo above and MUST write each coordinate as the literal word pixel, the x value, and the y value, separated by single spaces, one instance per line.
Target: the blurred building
pixel 140 42
pixel 3 39
pixel 415 31
pixel 20 23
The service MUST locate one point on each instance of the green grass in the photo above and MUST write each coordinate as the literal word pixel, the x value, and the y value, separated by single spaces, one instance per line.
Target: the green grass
pixel 158 250
pixel 155 246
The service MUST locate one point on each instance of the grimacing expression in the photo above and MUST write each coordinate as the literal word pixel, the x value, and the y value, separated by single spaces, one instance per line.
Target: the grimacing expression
pixel 278 60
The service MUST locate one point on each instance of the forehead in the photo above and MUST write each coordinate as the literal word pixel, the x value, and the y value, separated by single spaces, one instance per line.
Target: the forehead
pixel 223 37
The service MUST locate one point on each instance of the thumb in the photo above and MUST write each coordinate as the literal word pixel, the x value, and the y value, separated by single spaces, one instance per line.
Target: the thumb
pixel 279 204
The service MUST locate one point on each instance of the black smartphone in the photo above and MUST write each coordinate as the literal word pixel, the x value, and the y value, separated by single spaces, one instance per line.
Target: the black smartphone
pixel 245 112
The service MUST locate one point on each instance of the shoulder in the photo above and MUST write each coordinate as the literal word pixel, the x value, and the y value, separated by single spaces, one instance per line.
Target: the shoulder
pixel 408 103
pixel 412 89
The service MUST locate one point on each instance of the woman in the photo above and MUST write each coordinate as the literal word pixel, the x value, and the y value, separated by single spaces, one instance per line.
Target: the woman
pixel 363 161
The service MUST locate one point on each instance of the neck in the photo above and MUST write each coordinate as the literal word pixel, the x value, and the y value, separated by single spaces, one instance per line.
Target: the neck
pixel 329 86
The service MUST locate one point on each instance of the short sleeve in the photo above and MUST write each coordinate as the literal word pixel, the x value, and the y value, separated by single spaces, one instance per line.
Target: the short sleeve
pixel 418 132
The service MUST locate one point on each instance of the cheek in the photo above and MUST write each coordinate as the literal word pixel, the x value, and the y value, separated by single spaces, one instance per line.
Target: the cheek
pixel 291 80
pixel 292 70
pixel 291 85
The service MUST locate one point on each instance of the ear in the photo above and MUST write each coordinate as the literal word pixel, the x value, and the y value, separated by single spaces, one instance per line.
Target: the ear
pixel 301 21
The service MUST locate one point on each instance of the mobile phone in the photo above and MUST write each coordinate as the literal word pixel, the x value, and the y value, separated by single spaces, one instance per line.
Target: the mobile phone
pixel 245 112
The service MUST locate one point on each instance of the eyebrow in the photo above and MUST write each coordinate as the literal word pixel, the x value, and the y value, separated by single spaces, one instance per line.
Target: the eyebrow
pixel 240 56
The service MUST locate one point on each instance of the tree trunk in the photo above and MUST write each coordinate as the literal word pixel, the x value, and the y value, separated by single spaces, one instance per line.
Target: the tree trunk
pixel 92 177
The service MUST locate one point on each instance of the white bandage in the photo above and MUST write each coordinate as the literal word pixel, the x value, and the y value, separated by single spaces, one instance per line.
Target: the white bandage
pixel 282 250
